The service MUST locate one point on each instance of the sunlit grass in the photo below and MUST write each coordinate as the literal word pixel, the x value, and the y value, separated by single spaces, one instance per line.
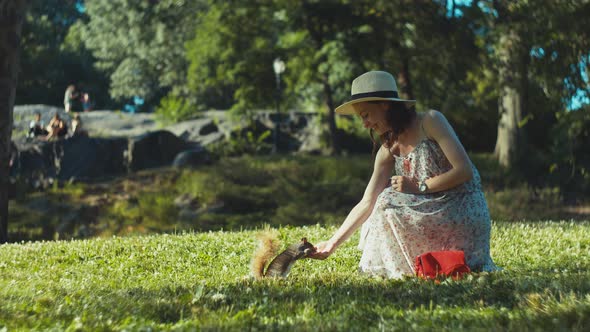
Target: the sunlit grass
pixel 201 281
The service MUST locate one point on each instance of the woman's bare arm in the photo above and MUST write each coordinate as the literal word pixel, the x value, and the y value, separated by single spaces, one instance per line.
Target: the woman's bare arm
pixel 358 215
pixel 438 128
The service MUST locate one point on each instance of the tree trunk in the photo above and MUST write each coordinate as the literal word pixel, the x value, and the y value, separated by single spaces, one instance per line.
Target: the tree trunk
pixel 513 81
pixel 316 33
pixel 507 142
pixel 11 19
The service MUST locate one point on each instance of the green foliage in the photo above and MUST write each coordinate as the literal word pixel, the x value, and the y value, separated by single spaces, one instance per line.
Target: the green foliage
pixel 199 282
pixel 277 191
pixel 139 44
pixel 148 212
pixel 253 138
pixel 246 192
pixel 74 190
pixel 49 62
pixel 209 54
pixel 248 142
pixel 525 203
pixel 319 43
pixel 174 109
pixel 353 137
pixel 474 104
pixel 231 56
pixel 559 48
pixel 570 164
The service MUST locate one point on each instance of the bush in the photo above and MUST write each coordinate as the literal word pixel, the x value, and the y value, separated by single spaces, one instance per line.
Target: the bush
pixel 245 193
pixel 570 152
pixel 173 109
pixel 252 140
pixel 148 212
pixel 352 136
pixel 256 190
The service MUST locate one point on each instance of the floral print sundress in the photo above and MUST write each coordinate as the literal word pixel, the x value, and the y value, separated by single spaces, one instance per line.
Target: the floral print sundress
pixel 403 226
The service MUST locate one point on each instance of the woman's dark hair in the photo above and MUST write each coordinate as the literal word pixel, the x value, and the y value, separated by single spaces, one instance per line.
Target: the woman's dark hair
pixel 399 117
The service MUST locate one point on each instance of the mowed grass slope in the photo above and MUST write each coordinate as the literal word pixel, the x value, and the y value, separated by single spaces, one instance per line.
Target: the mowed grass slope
pixel 199 281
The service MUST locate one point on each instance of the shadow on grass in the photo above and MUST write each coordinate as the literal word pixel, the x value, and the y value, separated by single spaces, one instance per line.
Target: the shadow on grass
pixel 492 300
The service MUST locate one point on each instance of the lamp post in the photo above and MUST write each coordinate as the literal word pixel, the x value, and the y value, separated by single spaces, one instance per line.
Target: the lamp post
pixel 278 66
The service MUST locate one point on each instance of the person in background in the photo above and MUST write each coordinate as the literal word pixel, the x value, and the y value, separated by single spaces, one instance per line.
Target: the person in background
pixel 12 155
pixel 36 127
pixel 57 127
pixel 77 128
pixel 424 195
pixel 86 103
pixel 70 97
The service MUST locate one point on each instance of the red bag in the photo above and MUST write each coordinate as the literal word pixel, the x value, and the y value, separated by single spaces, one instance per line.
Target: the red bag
pixel 441 263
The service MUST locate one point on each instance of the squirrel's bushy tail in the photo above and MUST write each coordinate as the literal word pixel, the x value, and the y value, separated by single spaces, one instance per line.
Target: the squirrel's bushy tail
pixel 268 245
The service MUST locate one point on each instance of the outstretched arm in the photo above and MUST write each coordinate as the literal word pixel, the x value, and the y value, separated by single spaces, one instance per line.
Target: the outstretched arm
pixel 358 215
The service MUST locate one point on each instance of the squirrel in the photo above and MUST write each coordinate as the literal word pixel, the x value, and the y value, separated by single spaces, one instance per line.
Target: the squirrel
pixel 281 265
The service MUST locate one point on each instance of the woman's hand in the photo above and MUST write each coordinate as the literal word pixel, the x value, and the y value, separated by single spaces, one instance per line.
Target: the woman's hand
pixel 404 184
pixel 323 250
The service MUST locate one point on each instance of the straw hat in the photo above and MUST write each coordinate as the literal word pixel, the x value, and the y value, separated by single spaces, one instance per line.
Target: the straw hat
pixel 373 85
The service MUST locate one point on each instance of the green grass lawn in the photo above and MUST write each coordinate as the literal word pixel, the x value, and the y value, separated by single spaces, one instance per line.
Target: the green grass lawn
pixel 199 281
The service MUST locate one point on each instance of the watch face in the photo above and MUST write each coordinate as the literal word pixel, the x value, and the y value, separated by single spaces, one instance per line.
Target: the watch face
pixel 422 187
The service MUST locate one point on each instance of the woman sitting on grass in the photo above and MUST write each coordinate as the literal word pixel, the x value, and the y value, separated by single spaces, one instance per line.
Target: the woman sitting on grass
pixel 434 202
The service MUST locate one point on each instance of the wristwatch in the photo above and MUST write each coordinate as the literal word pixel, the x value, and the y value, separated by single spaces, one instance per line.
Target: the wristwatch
pixel 422 187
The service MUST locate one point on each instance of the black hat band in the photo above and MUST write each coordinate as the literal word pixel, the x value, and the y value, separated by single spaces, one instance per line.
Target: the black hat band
pixel 378 94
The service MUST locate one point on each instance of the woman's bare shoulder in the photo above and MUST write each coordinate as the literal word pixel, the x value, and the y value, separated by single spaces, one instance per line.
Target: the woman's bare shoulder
pixel 385 154
pixel 432 116
pixel 429 119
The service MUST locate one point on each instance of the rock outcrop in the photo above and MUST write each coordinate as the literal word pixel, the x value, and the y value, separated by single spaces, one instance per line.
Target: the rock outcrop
pixel 119 142
pixel 154 149
pixel 85 158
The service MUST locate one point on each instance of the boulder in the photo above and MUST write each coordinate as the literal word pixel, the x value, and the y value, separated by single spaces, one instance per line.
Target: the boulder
pixel 23 114
pixel 254 127
pixel 194 130
pixel 31 159
pixel 311 140
pixel 118 124
pixel 298 129
pixel 186 201
pixel 83 157
pixel 78 157
pixel 191 158
pixel 154 149
pixel 211 138
pixel 208 128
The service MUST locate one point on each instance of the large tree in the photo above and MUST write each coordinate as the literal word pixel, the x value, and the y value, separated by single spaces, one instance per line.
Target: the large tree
pixel 140 44
pixel 12 14
pixel 231 56
pixel 324 53
pixel 48 63
pixel 513 79
pixel 529 57
pixel 326 44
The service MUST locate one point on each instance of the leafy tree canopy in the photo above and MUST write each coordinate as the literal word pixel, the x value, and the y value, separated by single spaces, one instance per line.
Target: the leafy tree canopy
pixel 140 44
pixel 47 64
